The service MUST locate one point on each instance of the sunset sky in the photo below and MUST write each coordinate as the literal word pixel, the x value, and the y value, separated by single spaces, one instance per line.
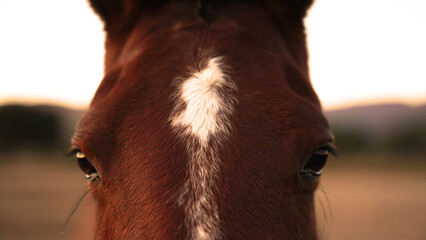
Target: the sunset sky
pixel 361 51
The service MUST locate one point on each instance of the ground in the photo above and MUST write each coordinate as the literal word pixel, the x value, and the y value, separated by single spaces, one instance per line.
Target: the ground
pixel 373 202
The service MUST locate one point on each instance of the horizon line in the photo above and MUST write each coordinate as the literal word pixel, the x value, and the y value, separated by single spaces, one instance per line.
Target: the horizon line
pixel 326 107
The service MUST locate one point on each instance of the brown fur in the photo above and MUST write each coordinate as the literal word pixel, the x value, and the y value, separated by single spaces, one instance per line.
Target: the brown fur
pixel 278 121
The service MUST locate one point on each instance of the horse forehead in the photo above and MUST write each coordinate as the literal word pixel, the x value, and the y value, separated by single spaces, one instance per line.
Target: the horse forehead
pixel 141 93
pixel 263 86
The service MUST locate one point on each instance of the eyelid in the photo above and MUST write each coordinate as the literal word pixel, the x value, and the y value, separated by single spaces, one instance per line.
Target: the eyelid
pixel 81 152
pixel 322 152
pixel 73 150
pixel 330 147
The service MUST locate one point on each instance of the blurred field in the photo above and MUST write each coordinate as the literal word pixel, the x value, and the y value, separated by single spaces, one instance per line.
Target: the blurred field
pixel 36 195
pixel 376 200
pixel 364 200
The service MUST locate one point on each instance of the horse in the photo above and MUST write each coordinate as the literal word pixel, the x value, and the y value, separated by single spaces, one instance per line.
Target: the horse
pixel 205 125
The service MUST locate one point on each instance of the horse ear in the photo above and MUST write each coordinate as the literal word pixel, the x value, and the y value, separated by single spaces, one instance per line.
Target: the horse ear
pixel 117 14
pixel 107 10
pixel 283 9
pixel 300 7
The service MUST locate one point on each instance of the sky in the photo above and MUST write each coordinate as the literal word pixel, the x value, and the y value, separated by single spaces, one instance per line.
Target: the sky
pixel 361 52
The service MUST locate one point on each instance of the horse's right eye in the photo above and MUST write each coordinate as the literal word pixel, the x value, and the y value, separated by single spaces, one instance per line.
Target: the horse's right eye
pixel 86 167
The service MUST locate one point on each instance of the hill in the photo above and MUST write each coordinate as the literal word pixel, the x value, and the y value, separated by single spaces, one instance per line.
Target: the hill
pixel 377 120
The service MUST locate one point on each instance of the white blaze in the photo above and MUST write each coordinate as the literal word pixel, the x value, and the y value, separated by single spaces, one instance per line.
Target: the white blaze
pixel 207 102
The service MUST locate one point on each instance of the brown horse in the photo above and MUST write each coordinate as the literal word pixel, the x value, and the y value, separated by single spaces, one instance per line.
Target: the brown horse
pixel 206 125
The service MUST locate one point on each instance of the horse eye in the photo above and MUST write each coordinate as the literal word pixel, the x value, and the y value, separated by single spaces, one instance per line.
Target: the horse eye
pixel 315 163
pixel 86 167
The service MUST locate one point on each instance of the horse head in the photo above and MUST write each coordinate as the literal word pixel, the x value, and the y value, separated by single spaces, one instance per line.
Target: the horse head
pixel 205 125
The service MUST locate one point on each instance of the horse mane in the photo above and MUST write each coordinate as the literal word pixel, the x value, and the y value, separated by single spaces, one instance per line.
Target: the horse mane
pixel 119 15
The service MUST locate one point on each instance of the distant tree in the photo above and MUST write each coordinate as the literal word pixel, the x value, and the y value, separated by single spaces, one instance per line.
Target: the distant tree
pixel 410 139
pixel 350 139
pixel 24 127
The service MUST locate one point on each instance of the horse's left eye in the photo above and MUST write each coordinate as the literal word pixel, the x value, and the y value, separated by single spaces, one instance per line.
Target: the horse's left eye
pixel 86 167
pixel 313 167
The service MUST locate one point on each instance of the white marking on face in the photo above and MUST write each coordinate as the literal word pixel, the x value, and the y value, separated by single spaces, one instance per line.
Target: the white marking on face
pixel 202 95
pixel 207 102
